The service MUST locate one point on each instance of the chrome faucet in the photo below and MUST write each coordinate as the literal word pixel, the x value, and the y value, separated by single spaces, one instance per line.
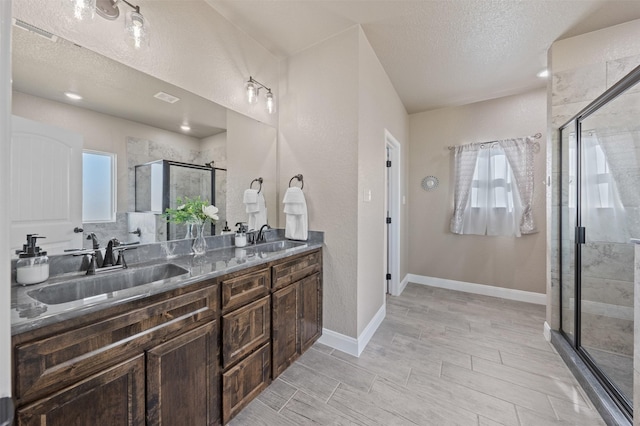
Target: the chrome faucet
pixel 261 232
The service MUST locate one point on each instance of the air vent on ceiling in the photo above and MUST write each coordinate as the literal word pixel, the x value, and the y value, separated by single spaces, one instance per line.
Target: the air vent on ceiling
pixel 166 97
pixel 39 31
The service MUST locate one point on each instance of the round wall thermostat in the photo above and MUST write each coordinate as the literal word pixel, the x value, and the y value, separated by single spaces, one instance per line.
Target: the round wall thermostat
pixel 430 183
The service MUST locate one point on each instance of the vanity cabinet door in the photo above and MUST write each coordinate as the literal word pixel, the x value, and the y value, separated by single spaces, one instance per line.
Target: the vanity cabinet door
pixel 183 379
pixel 310 310
pixel 242 383
pixel 286 325
pixel 114 396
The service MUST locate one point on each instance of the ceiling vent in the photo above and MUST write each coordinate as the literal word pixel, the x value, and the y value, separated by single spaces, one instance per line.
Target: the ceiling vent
pixel 166 97
pixel 39 31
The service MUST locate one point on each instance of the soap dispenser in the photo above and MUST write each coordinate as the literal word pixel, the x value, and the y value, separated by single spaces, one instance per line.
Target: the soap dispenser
pixel 241 235
pixel 33 265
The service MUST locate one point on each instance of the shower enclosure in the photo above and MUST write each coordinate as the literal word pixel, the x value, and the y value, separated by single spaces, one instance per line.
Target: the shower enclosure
pixel 159 184
pixel 600 212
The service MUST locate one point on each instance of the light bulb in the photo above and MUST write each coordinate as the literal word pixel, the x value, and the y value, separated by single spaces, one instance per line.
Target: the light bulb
pixel 271 105
pixel 252 92
pixel 543 74
pixel 81 9
pixel 136 30
pixel 73 96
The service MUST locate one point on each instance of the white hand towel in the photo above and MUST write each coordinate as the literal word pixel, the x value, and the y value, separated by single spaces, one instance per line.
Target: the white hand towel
pixel 295 208
pixel 259 217
pixel 250 200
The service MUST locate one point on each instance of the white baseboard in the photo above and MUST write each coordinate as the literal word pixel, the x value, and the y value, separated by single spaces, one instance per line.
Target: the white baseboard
pixel 486 290
pixel 403 285
pixel 349 344
pixel 547 331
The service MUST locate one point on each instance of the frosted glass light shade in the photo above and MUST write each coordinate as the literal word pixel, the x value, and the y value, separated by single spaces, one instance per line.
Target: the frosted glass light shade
pixel 252 93
pixel 82 10
pixel 271 104
pixel 136 30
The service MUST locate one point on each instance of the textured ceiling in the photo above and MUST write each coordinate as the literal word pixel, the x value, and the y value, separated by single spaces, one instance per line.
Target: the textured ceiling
pixel 436 53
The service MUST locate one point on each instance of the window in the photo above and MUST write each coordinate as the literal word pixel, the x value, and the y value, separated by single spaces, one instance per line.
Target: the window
pixel 98 186
pixel 494 206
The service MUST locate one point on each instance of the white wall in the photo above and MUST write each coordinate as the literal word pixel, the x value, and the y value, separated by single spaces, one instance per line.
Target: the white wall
pixel 191 46
pixel 379 108
pixel 318 137
pixel 508 262
pixel 5 169
pixel 336 102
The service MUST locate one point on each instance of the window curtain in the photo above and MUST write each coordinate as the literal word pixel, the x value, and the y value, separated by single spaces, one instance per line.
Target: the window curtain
pixel 494 207
pixel 464 160
pixel 520 154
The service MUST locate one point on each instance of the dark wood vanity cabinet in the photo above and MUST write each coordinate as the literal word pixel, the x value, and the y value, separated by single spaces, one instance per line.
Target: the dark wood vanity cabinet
pixel 297 308
pixel 183 379
pixel 153 361
pixel 190 356
pixel 114 396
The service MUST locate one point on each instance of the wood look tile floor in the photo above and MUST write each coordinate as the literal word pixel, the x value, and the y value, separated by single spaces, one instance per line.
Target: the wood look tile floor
pixel 439 358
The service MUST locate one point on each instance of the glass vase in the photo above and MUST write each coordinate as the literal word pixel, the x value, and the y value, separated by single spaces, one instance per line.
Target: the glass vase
pixel 199 245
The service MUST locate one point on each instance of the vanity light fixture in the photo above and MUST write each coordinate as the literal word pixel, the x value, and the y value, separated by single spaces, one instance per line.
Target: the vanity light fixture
pixel 81 9
pixel 253 90
pixel 136 29
pixel 185 127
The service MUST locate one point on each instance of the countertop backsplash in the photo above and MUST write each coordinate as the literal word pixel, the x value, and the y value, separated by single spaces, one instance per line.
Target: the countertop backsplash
pixel 69 264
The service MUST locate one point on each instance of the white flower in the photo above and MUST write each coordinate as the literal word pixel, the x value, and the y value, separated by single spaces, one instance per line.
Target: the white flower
pixel 210 212
pixel 181 207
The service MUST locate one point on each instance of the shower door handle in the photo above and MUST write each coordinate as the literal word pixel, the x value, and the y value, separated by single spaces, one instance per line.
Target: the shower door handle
pixel 581 235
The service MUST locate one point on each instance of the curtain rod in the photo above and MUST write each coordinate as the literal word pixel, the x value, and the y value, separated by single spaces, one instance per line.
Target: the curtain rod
pixel 452 147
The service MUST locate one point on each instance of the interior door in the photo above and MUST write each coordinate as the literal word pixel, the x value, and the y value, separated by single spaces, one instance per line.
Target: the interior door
pixel 46 185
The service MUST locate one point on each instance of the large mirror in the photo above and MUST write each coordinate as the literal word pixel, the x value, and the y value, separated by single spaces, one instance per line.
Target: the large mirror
pixel 138 118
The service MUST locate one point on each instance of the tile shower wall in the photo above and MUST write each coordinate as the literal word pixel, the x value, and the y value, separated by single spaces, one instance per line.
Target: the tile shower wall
pixel 607 267
pixel 582 69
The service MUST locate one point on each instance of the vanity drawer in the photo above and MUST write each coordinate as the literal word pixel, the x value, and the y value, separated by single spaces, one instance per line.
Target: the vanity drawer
pixel 243 289
pixel 45 365
pixel 295 269
pixel 245 329
pixel 245 381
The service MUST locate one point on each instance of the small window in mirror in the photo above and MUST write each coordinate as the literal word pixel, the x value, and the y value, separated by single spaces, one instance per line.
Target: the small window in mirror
pixel 98 186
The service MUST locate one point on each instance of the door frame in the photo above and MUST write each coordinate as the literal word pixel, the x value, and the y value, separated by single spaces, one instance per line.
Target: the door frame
pixel 394 193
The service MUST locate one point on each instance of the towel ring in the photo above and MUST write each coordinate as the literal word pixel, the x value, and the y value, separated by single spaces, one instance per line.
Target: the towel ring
pixel 299 177
pixel 259 180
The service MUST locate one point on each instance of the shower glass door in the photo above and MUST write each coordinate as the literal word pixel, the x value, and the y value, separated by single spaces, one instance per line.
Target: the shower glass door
pixel 600 213
pixel 609 186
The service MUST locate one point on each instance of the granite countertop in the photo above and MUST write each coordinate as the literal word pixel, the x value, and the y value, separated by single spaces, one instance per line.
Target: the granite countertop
pixel 28 313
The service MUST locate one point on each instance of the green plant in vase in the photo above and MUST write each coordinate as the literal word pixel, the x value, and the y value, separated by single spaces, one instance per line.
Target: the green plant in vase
pixel 196 212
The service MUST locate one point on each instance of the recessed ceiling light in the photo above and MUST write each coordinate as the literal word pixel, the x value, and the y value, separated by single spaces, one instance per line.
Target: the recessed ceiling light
pixel 73 96
pixel 543 74
pixel 185 127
